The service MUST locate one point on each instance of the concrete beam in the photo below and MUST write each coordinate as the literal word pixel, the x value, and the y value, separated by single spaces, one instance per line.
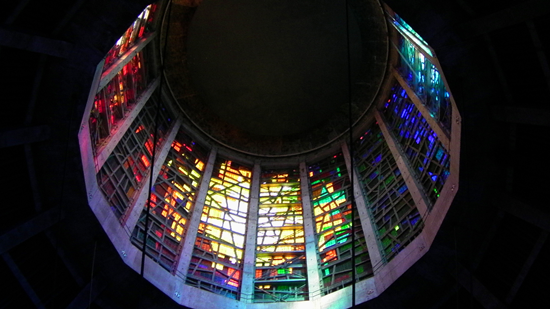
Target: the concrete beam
pixel 22 280
pixel 526 212
pixel 105 150
pixel 477 289
pixel 134 213
pixel 521 115
pixel 432 122
pixel 25 135
pixel 37 44
pixel 123 60
pixel 516 14
pixel 87 295
pixel 30 228
pixel 491 233
pixel 247 291
pixel 413 185
pixel 312 263
pixel 526 267
pixel 366 223
pixel 541 54
pixel 195 220
pixel 16 11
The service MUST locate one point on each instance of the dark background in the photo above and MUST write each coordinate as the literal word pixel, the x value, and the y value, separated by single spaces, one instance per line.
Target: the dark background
pixel 491 252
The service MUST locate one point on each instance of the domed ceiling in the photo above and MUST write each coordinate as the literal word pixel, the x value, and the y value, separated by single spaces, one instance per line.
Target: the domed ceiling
pixel 271 77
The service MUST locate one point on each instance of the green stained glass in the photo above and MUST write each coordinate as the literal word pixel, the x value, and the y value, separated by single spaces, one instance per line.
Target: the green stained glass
pixel 280 251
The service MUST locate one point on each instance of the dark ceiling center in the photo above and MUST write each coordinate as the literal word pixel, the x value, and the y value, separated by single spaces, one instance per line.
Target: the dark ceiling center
pixel 272 67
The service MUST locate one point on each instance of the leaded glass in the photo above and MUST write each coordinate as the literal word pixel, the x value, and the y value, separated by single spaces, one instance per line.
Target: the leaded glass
pixel 390 204
pixel 122 175
pixel 281 273
pixel 332 207
pixel 217 261
pixel 427 156
pixel 142 26
pixel 116 99
pixel 425 80
pixel 172 201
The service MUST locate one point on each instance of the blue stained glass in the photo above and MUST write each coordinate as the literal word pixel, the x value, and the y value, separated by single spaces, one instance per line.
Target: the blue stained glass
pixel 418 140
pixel 396 248
pixel 402 189
pixel 439 154
pixel 373 175
pixel 377 160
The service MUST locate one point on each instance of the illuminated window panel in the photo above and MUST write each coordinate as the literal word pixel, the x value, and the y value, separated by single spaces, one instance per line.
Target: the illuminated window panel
pixel 281 271
pixel 142 26
pixel 331 189
pixel 390 204
pixel 407 31
pixel 172 201
pixel 124 171
pixel 217 261
pixel 116 99
pixel 425 80
pixel 429 159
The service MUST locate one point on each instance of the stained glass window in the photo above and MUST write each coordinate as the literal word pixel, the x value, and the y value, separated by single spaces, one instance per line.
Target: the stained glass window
pixel 117 98
pixel 122 175
pixel 429 159
pixel 281 272
pixel 421 74
pixel 331 192
pixel 172 201
pixel 142 26
pixel 390 204
pixel 217 261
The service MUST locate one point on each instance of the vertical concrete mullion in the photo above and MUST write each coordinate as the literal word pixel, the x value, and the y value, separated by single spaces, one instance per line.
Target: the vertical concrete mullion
pixel 194 221
pixel 404 167
pixel 313 277
pixel 366 223
pixel 137 206
pixel 247 291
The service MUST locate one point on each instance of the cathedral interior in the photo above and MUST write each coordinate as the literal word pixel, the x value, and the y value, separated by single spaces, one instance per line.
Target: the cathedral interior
pixel 489 252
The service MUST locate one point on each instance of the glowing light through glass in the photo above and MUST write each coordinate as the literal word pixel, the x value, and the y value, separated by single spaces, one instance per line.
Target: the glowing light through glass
pixel 172 202
pixel 281 273
pixel 330 187
pixel 216 264
pixel 391 206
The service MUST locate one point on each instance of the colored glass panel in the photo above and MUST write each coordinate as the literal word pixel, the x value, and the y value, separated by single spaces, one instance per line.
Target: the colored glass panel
pixel 142 26
pixel 122 175
pixel 281 273
pixel 331 192
pixel 217 261
pixel 429 159
pixel 407 31
pixel 390 204
pixel 172 201
pixel 425 80
pixel 116 99
pixel 421 74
